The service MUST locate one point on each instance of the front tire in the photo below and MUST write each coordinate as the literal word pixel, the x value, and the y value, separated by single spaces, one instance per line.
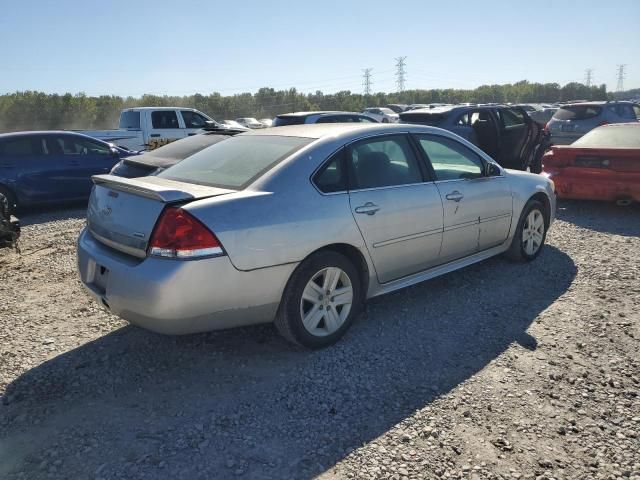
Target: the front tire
pixel 11 199
pixel 531 233
pixel 321 299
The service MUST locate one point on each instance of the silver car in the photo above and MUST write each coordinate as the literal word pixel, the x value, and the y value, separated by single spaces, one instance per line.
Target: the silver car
pixel 572 121
pixel 300 225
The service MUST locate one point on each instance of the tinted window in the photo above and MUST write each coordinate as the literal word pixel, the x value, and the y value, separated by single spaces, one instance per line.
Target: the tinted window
pixel 382 162
pixel 364 119
pixel 21 146
pixel 512 118
pixel 423 118
pixel 288 120
pixel 193 119
pixel 616 136
pixel 332 176
pixel 236 162
pixel 164 119
pixel 450 159
pixel 577 112
pixel 130 120
pixel 624 110
pixel 187 146
pixel 68 145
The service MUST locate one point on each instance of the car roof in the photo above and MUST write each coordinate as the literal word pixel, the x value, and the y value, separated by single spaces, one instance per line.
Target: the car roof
pixel 158 108
pixel 307 114
pixel 47 132
pixel 340 130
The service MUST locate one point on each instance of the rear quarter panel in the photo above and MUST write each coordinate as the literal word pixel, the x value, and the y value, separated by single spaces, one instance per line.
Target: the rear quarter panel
pixel 282 218
pixel 525 185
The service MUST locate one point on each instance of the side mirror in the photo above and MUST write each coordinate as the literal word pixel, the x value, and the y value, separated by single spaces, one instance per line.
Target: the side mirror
pixel 491 170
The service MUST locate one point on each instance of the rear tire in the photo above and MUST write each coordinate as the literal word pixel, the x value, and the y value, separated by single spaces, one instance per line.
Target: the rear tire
pixel 530 234
pixel 320 301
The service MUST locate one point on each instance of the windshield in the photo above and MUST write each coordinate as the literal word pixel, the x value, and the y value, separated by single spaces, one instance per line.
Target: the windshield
pixel 130 119
pixel 236 162
pixel 619 136
pixel 577 112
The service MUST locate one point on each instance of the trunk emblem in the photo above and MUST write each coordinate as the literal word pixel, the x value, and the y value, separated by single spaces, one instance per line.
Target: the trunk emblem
pixel 105 212
pixel 113 194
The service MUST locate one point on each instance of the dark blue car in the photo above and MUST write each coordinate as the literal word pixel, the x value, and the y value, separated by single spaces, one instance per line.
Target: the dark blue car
pixel 38 168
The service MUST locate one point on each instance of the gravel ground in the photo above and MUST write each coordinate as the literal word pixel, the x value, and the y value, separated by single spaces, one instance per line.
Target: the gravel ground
pixel 500 370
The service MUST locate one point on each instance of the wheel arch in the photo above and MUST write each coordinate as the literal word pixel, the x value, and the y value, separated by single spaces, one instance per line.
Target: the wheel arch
pixel 4 188
pixel 546 203
pixel 355 256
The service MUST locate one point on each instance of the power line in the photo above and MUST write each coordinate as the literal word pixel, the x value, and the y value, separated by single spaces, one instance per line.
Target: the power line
pixel 400 73
pixel 367 81
pixel 588 76
pixel 621 75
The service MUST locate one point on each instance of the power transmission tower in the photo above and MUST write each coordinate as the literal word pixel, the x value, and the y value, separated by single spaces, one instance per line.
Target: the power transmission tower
pixel 400 73
pixel 621 75
pixel 366 83
pixel 588 76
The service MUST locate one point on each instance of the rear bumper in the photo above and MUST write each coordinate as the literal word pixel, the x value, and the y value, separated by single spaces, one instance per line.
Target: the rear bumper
pixel 177 297
pixel 595 184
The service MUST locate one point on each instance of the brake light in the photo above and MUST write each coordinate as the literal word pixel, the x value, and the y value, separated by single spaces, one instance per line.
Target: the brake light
pixel 178 234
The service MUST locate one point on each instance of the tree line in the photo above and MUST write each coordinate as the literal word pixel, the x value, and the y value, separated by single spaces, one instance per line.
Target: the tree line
pixel 31 110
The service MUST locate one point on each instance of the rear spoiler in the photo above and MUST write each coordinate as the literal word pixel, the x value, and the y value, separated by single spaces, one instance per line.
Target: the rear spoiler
pixel 159 189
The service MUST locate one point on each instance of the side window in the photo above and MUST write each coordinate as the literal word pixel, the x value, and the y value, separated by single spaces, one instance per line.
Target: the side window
pixel 164 119
pixel 382 162
pixel 464 120
pixel 450 159
pixel 193 119
pixel 67 145
pixel 364 119
pixel 512 118
pixel 636 111
pixel 332 177
pixel 22 146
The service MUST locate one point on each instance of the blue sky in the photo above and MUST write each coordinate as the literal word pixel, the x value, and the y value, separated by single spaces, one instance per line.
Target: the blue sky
pixel 177 48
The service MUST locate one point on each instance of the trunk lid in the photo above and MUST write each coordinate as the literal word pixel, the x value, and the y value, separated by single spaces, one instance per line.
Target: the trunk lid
pixel 122 212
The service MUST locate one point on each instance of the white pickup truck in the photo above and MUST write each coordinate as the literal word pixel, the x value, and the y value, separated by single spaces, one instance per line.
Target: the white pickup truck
pixel 146 128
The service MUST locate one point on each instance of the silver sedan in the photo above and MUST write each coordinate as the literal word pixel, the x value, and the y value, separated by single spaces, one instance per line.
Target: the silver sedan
pixel 300 225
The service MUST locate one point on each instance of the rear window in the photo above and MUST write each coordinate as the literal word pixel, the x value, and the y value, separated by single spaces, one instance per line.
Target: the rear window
pixel 618 136
pixel 188 146
pixel 577 112
pixel 283 121
pixel 130 120
pixel 236 162
pixel 423 118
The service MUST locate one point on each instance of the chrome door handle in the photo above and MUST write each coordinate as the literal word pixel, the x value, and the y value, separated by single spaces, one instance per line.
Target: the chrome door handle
pixel 456 196
pixel 369 208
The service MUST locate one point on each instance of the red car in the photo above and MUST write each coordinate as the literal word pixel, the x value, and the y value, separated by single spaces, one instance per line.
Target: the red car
pixel 602 165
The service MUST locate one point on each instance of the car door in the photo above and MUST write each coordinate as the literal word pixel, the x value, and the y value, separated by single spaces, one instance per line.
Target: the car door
pixel 514 132
pixel 396 206
pixel 165 128
pixel 84 157
pixel 25 169
pixel 477 206
pixel 194 122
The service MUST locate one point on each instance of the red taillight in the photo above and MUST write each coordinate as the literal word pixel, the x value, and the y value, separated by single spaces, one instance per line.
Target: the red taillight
pixel 178 234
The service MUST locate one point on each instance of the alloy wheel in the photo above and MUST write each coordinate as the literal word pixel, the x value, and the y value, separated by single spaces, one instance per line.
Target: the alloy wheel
pixel 533 232
pixel 326 301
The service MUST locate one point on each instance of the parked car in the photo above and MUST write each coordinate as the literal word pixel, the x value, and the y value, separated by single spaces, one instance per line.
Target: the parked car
pixel 47 167
pixel 506 134
pixel 249 122
pixel 299 118
pixel 572 121
pixel 603 165
pixel 267 122
pixel 267 226
pixel 149 127
pixel 397 107
pixel 382 115
pixel 155 161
